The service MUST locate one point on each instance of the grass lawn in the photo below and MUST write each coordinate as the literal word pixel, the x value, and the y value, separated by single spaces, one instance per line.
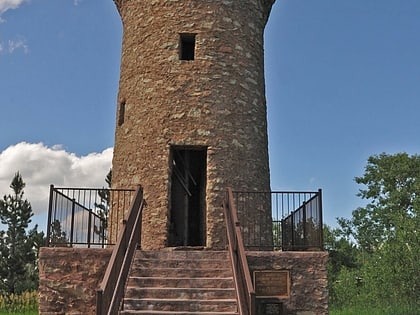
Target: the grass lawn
pixel 23 304
pixel 397 310
pixel 2 312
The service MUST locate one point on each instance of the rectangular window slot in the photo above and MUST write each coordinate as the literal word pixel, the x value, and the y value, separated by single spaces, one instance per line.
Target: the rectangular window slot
pixel 121 114
pixel 186 46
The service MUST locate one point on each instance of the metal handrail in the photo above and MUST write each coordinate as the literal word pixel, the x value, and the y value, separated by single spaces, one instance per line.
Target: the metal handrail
pixel 111 291
pixel 242 277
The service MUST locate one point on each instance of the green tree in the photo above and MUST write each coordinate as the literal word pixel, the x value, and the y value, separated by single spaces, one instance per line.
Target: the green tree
pixel 342 251
pixel 277 237
pixel 102 208
pixel 343 261
pixel 58 236
pixel 387 229
pixel 18 247
pixel 393 190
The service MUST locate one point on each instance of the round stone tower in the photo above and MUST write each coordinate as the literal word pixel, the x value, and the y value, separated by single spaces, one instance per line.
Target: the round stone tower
pixel 191 117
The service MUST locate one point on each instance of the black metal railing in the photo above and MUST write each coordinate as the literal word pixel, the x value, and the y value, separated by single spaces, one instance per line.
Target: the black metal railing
pixel 295 223
pixel 78 216
pixel 302 229
pixel 111 290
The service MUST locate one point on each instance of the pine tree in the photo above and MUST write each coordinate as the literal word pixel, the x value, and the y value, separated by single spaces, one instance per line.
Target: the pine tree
pixel 18 247
pixel 102 208
pixel 58 236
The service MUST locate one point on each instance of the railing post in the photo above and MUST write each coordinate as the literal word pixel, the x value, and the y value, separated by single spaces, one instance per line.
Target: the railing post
pixel 50 205
pixel 321 223
pixel 252 307
pixel 99 301
pixel 305 232
pixel 73 206
pixel 89 228
pixel 140 231
pixel 292 224
pixel 103 232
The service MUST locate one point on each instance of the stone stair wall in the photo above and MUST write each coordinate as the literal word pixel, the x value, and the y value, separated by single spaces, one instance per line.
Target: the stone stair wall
pixel 180 282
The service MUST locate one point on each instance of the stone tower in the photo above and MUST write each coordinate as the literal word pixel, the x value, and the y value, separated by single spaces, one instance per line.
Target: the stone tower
pixel 191 117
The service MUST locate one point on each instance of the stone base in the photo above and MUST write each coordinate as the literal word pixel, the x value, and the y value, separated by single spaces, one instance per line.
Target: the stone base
pixel 308 283
pixel 69 278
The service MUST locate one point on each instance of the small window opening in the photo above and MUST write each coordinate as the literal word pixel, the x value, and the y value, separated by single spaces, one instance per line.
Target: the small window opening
pixel 121 114
pixel 187 46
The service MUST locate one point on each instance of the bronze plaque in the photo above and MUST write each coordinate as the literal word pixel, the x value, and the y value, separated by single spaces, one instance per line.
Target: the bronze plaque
pixel 272 283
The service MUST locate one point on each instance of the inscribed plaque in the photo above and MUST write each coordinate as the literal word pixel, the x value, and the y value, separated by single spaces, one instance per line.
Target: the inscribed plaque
pixel 272 283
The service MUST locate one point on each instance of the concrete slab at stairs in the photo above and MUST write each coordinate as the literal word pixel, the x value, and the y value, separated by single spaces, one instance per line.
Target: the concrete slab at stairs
pixel 180 282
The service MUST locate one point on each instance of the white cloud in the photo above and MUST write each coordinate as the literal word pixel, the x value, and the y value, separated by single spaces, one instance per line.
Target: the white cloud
pixel 19 43
pixel 41 166
pixel 10 4
pixel 75 2
pixel 12 45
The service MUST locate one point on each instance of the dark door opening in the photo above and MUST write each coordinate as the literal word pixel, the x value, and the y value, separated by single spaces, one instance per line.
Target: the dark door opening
pixel 188 189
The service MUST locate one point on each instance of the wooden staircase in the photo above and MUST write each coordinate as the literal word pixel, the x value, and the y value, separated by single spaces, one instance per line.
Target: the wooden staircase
pixel 180 282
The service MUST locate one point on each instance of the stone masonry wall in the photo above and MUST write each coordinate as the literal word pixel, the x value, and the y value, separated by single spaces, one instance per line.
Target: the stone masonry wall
pixel 308 277
pixel 68 279
pixel 216 101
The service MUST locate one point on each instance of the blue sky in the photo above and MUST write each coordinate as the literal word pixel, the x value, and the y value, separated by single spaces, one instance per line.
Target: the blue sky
pixel 342 83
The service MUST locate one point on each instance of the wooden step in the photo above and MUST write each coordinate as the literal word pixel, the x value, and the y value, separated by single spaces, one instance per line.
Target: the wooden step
pixel 127 312
pixel 180 293
pixel 180 282
pixel 176 282
pixel 181 272
pixel 180 305
pixel 181 254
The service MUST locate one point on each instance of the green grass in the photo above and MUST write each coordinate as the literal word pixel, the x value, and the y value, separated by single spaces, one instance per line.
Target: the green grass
pixel 23 304
pixel 19 313
pixel 395 310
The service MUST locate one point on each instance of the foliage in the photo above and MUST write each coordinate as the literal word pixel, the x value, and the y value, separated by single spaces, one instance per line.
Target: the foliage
pixel 58 236
pixel 385 310
pixel 277 237
pixel 18 247
pixel 342 260
pixel 25 303
pixel 375 255
pixel 393 191
pixel 102 208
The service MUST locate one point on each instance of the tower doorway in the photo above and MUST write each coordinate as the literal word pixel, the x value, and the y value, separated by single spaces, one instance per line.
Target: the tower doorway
pixel 188 202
